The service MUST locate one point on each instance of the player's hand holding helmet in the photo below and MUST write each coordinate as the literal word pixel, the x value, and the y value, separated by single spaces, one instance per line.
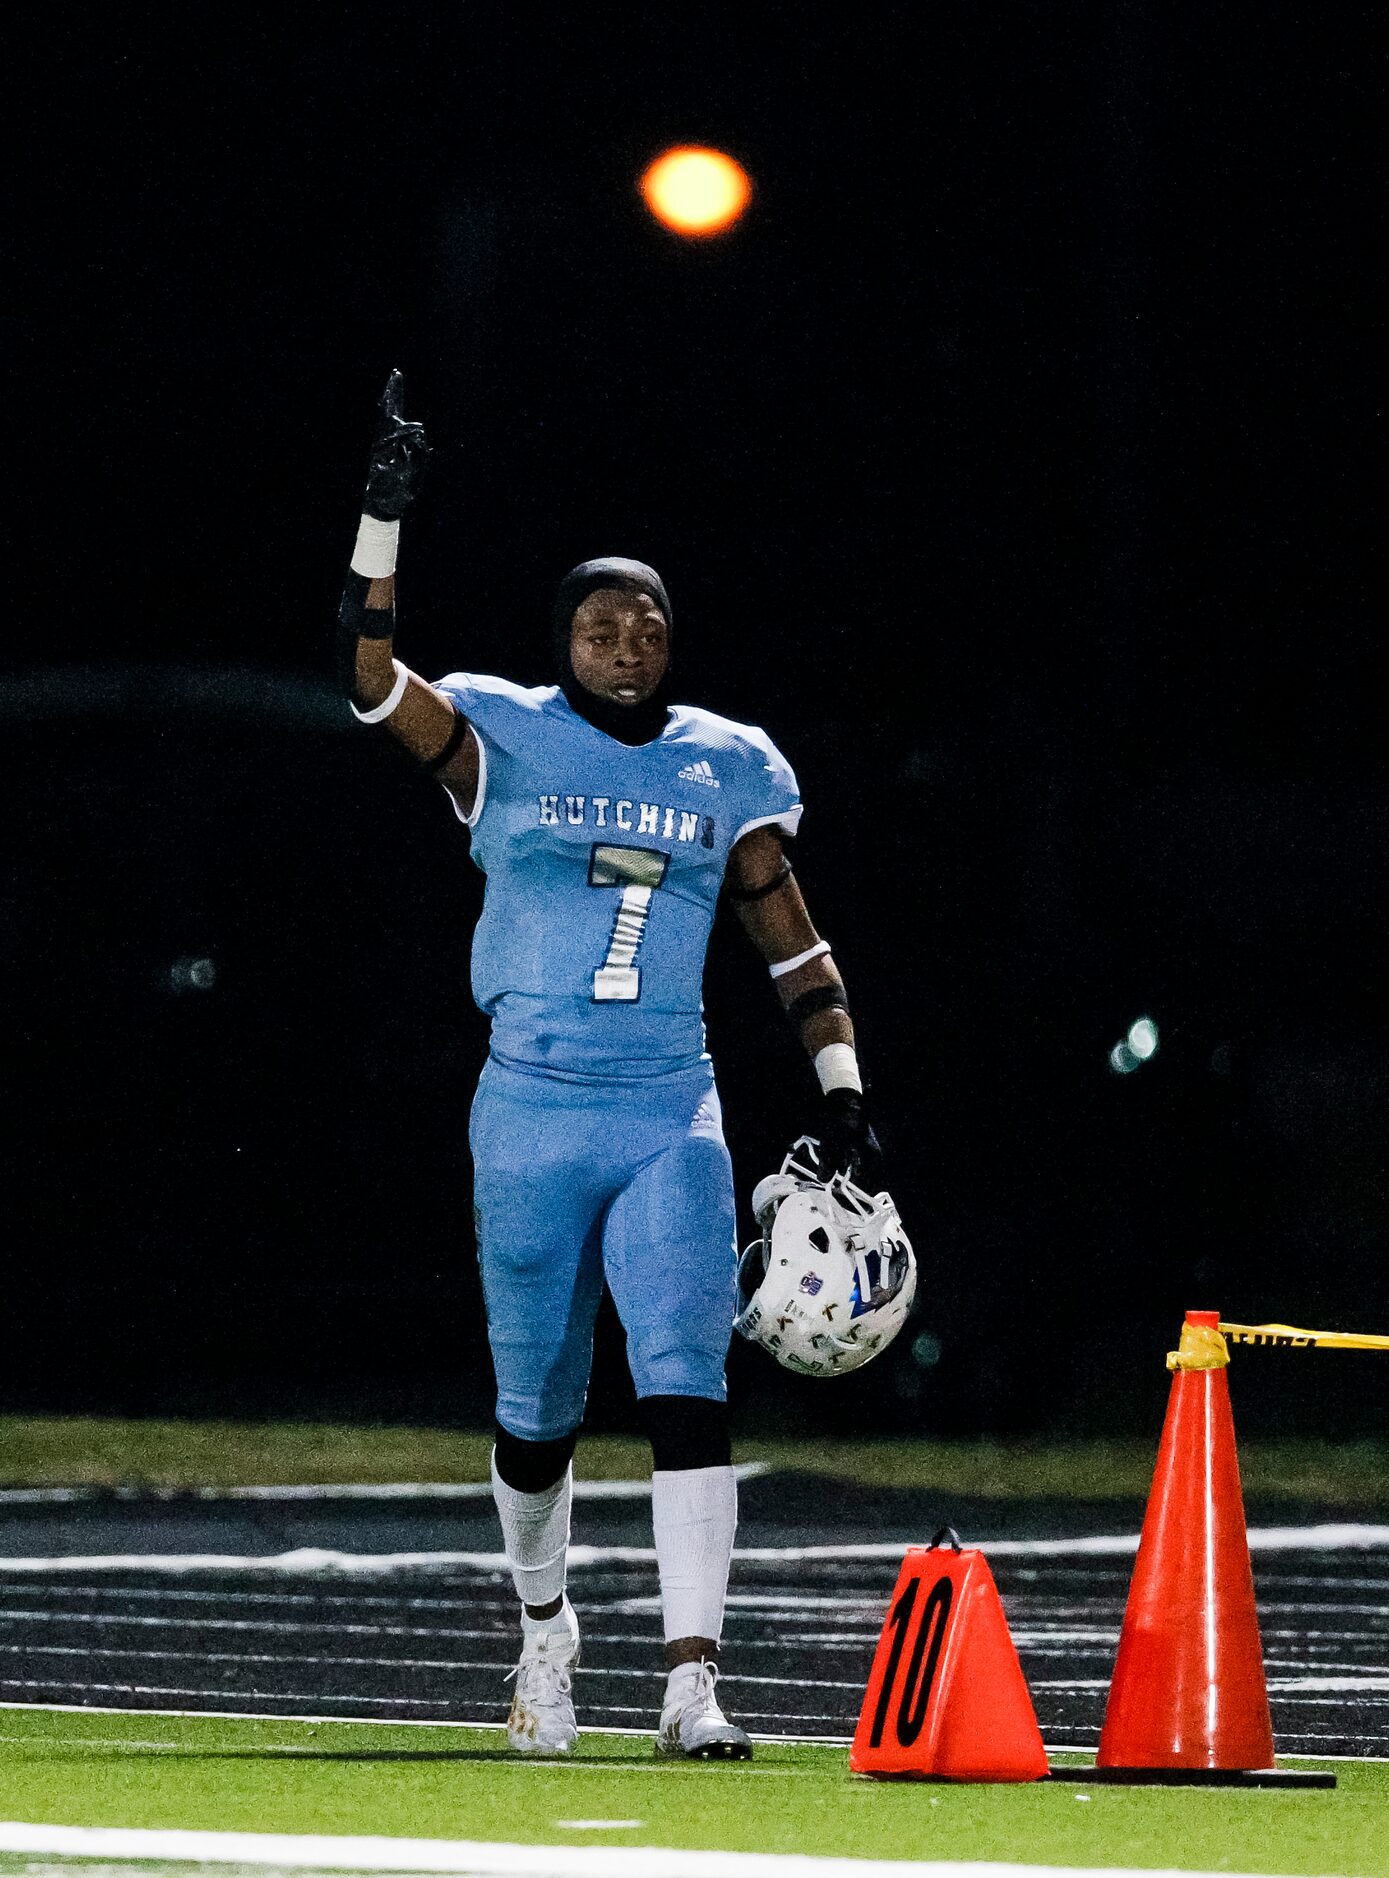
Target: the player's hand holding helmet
pixel 399 452
pixel 831 1280
pixel 845 1142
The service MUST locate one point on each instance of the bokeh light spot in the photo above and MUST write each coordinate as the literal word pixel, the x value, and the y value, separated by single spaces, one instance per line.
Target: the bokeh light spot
pixel 926 1351
pixel 696 191
pixel 192 975
pixel 1143 1038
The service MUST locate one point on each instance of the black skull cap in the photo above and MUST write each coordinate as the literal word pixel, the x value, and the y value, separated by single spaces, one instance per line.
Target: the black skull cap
pixel 610 570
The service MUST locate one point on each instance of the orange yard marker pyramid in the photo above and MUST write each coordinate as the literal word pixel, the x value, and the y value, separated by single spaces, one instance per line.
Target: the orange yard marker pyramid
pixel 946 1697
pixel 1188 1689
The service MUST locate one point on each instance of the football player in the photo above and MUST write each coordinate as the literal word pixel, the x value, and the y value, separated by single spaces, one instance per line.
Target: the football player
pixel 607 821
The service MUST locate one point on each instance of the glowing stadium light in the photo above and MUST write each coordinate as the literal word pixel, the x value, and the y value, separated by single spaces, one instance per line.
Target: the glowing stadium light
pixel 696 191
pixel 1122 1060
pixel 1143 1038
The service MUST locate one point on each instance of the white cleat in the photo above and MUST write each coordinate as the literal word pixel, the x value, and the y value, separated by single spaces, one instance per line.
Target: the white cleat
pixel 693 1726
pixel 542 1710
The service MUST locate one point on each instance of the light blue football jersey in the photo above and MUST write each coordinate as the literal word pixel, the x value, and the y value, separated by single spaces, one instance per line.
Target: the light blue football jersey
pixel 603 867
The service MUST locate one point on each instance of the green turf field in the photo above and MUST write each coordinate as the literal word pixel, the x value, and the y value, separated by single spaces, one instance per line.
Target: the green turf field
pixel 451 1783
pixel 131 1770
pixel 87 1450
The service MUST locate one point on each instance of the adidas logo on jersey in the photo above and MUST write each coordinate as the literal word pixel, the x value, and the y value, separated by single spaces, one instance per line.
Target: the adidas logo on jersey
pixel 699 772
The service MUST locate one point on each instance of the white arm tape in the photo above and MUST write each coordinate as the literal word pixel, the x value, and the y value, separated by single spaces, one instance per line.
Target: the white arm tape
pixel 375 552
pixel 837 1067
pixel 801 958
pixel 380 712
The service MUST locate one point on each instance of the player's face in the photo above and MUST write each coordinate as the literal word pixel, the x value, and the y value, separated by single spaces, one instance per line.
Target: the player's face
pixel 618 646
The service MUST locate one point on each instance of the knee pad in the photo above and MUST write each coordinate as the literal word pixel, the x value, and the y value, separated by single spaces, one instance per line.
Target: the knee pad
pixel 686 1431
pixel 532 1466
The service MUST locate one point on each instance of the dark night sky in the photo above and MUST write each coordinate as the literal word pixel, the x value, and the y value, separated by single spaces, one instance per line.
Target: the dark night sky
pixel 1013 461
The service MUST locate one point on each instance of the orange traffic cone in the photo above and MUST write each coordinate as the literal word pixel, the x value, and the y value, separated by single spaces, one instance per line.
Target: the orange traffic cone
pixel 946 1696
pixel 1188 1689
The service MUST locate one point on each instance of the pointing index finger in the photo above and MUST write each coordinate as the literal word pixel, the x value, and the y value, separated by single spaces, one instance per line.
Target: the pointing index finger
pixel 393 397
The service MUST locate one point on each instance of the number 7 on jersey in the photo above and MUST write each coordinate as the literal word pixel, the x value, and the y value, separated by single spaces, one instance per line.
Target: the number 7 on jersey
pixel 638 872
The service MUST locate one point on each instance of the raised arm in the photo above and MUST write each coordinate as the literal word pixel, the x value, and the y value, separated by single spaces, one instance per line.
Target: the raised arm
pixel 381 690
pixel 768 901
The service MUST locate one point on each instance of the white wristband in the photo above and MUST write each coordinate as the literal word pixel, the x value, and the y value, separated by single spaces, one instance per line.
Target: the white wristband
pixel 837 1067
pixel 374 554
pixel 801 958
pixel 380 712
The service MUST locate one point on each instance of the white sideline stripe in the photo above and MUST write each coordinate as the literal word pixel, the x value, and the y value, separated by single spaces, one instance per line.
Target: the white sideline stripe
pixel 308 1851
pixel 410 1721
pixel 119 1620
pixel 289 1753
pixel 458 1666
pixel 461 1667
pixel 161 1688
pixel 122 1620
pixel 590 1728
pixel 318 1560
pixel 127 1688
pixel 390 1490
pixel 1371 1684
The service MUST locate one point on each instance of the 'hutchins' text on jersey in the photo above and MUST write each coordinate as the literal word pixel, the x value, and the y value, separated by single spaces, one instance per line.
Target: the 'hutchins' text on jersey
pixel 638 818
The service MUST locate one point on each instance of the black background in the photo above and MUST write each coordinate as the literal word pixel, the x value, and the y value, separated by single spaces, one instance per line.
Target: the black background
pixel 1014 462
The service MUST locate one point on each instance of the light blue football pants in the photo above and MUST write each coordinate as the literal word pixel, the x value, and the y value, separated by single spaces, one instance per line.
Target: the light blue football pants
pixel 575 1183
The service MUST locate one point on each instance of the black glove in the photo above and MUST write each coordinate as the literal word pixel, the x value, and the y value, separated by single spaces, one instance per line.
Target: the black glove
pixel 847 1144
pixel 398 455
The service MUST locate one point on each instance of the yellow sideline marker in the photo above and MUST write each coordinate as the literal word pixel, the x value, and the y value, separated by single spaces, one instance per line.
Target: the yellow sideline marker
pixel 1289 1338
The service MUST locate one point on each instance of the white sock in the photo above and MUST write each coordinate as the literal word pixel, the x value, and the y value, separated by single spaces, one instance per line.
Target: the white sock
pixel 535 1535
pixel 694 1514
pixel 563 1624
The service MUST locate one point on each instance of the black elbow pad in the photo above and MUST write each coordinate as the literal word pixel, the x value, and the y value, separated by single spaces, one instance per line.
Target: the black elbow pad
pixel 820 998
pixel 356 620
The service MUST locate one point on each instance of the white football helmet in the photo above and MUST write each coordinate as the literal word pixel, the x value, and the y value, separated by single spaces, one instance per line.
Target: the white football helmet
pixel 831 1280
